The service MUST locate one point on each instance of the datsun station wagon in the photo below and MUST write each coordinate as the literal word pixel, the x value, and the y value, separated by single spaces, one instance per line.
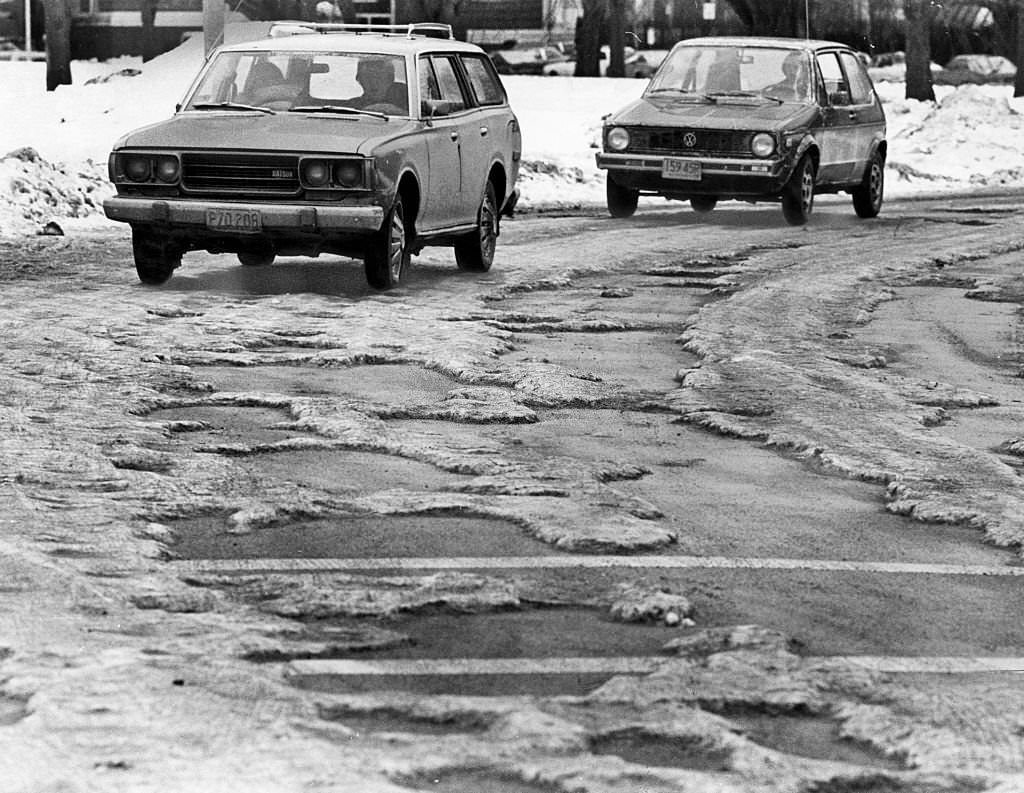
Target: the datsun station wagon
pixel 370 142
pixel 754 119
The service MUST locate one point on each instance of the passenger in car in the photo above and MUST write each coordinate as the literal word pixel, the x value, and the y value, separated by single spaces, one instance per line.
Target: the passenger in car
pixel 794 83
pixel 376 76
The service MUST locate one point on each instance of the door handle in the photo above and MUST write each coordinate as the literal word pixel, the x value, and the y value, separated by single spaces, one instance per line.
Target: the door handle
pixel 853 115
pixel 454 135
pixel 484 131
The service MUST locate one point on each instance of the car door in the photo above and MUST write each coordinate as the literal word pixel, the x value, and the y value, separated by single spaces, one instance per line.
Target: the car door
pixel 442 178
pixel 866 116
pixel 457 205
pixel 490 131
pixel 838 137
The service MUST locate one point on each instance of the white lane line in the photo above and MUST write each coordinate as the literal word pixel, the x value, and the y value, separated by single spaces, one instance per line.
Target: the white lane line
pixel 625 665
pixel 603 562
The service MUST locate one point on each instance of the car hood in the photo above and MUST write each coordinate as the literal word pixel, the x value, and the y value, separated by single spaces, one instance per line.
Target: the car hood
pixel 660 111
pixel 302 132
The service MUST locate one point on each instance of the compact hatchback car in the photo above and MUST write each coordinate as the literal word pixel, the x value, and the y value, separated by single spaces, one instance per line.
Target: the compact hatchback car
pixel 369 143
pixel 754 119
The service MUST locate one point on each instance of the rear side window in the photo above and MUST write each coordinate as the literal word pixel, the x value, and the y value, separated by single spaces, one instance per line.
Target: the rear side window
pixel 448 83
pixel 860 83
pixel 831 73
pixel 483 80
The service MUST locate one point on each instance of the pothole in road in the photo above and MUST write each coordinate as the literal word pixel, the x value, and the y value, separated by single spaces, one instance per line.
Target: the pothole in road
pixel 202 425
pixel 806 735
pixel 365 382
pixel 643 748
pixel 471 780
pixel 362 537
pixel 389 720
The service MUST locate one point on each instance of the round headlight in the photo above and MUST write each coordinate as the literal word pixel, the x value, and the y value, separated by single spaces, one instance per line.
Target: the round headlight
pixel 137 168
pixel 167 169
pixel 618 138
pixel 315 173
pixel 763 144
pixel 349 174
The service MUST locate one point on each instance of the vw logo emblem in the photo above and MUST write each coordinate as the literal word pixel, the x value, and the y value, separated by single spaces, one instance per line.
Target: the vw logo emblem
pixel 689 140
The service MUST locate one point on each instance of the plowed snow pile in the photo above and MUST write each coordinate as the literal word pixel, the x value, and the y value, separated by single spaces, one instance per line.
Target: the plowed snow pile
pixel 970 138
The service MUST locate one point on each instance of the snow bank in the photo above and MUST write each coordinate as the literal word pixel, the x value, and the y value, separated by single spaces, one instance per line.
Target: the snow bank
pixel 969 138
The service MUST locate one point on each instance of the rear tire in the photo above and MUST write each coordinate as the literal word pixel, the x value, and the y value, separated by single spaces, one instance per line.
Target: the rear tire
pixel 155 258
pixel 798 194
pixel 475 251
pixel 387 254
pixel 703 204
pixel 868 195
pixel 622 201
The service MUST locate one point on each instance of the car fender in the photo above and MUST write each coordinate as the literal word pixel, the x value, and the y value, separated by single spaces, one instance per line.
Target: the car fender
pixel 808 143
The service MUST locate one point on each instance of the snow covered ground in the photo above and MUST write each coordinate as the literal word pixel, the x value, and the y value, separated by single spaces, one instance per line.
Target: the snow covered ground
pixel 53 146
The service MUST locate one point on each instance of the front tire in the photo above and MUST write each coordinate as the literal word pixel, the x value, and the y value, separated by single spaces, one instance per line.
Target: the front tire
pixel 868 195
pixel 155 258
pixel 622 201
pixel 475 251
pixel 798 194
pixel 256 259
pixel 703 204
pixel 387 255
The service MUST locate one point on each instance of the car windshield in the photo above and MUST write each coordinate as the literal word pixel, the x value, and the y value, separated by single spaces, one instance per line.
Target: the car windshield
pixel 306 82
pixel 723 72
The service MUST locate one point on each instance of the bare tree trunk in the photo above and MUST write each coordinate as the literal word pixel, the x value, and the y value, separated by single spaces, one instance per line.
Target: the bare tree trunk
pixel 770 17
pixel 919 14
pixel 58 43
pixel 588 38
pixel 1018 83
pixel 149 43
pixel 616 38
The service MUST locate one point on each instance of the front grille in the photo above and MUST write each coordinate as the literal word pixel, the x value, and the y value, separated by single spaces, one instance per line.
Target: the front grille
pixel 234 174
pixel 704 142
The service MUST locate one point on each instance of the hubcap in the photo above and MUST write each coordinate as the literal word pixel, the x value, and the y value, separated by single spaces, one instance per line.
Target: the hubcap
pixel 807 188
pixel 876 182
pixel 488 225
pixel 396 245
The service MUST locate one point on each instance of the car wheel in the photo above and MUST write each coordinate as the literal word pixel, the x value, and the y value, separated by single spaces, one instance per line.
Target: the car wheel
pixel 798 194
pixel 622 201
pixel 387 254
pixel 256 258
pixel 475 251
pixel 155 258
pixel 867 196
pixel 703 204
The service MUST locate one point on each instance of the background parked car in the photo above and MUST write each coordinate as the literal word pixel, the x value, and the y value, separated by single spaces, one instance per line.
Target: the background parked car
pixel 530 60
pixel 643 63
pixel 977 69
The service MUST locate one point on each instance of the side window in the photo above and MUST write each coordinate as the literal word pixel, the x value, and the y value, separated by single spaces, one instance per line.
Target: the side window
pixel 483 80
pixel 428 82
pixel 860 83
pixel 448 82
pixel 832 73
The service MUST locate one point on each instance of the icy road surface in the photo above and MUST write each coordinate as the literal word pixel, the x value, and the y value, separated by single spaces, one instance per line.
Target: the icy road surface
pixel 680 503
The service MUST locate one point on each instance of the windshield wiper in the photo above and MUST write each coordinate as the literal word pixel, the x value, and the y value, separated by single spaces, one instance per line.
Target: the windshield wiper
pixel 231 106
pixel 684 91
pixel 336 109
pixel 738 94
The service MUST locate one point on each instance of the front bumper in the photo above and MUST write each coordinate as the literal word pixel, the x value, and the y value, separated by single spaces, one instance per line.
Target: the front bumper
pixel 192 214
pixel 719 175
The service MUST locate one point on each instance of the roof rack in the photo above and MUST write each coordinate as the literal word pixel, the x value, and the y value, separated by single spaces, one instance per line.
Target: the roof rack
pixel 296 28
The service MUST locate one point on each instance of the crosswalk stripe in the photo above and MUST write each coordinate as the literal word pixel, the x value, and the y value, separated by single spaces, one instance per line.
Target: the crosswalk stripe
pixel 621 665
pixel 582 561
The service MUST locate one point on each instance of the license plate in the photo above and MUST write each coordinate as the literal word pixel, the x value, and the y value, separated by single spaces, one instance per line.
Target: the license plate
pixel 680 168
pixel 234 219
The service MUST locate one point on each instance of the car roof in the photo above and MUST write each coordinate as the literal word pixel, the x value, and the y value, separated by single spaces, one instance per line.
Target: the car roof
pixel 807 45
pixel 306 37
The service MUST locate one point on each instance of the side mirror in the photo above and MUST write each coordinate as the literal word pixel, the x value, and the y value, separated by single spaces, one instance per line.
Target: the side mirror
pixel 839 98
pixel 436 107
